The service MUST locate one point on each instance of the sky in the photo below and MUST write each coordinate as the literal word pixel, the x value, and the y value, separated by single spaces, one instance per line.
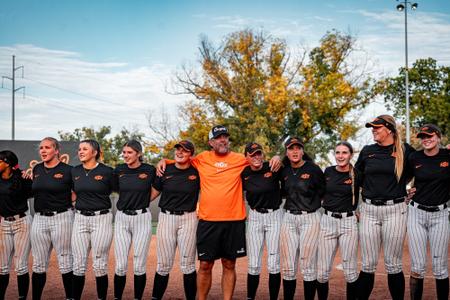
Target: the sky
pixel 111 62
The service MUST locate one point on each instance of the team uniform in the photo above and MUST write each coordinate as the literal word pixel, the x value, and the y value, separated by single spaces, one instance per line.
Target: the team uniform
pixel 92 226
pixel 428 216
pixel 303 188
pixel 133 224
pixel 15 225
pixel 262 191
pixel 339 227
pixel 383 212
pixel 177 225
pixel 52 223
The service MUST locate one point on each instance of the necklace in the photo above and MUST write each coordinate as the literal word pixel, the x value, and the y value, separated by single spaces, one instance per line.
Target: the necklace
pixel 87 171
pixel 296 170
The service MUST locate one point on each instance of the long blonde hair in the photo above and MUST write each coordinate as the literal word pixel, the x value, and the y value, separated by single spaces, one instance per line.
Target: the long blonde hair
pixel 399 149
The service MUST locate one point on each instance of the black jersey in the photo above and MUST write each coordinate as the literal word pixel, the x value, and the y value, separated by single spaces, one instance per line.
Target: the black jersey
pixel 14 193
pixel 262 187
pixel 134 186
pixel 92 187
pixel 432 177
pixel 52 187
pixel 179 188
pixel 338 196
pixel 304 187
pixel 377 168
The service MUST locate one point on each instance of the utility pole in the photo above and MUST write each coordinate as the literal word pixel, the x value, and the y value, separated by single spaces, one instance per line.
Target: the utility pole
pixel 13 92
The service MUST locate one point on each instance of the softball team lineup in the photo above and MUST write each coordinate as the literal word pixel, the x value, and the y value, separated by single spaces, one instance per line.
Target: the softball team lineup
pixel 363 207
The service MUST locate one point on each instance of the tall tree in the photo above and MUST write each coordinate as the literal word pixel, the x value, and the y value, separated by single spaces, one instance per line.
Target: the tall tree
pixel 256 86
pixel 429 86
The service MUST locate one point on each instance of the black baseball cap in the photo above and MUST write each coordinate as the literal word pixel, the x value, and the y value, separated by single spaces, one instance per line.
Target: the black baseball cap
pixel 186 145
pixel 428 130
pixel 252 148
pixel 381 121
pixel 216 131
pixel 293 141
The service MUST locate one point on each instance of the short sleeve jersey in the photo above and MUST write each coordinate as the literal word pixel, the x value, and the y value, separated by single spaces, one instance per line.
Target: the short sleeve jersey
pixel 262 187
pixel 52 187
pixel 338 195
pixel 376 165
pixel 92 187
pixel 179 187
pixel 432 177
pixel 134 186
pixel 14 193
pixel 221 197
pixel 304 187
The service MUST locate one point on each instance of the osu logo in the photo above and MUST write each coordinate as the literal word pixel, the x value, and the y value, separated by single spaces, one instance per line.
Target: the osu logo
pixel 305 176
pixel 348 181
pixel 444 164
pixel 268 174
pixel 192 177
pixel 143 176
pixel 58 176
pixel 221 164
pixel 98 177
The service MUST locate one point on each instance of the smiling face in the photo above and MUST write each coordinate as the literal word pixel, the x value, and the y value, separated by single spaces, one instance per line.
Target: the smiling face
pixel 343 155
pixel 130 156
pixel 381 134
pixel 220 144
pixel 48 152
pixel 294 153
pixel 86 153
pixel 255 160
pixel 182 155
pixel 430 142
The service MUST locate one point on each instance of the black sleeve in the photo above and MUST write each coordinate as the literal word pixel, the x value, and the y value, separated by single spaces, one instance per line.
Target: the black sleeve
pixel 115 180
pixel 408 168
pixel 157 183
pixel 320 183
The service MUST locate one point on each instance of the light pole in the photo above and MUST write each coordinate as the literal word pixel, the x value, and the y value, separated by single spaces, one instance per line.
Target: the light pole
pixel 403 6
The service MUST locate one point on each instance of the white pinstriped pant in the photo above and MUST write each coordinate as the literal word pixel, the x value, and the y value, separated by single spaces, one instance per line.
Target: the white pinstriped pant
pixel 15 241
pixel 52 232
pixel 382 225
pixel 136 229
pixel 299 240
pixel 94 232
pixel 176 230
pixel 264 228
pixel 426 226
pixel 336 232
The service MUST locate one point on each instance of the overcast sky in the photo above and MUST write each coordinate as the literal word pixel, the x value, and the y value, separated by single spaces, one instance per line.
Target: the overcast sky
pixel 93 63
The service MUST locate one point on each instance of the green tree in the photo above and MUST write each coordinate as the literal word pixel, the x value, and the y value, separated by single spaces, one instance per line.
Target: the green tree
pixel 253 84
pixel 429 86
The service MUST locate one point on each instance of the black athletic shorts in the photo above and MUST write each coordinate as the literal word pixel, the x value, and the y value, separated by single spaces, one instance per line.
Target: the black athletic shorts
pixel 224 239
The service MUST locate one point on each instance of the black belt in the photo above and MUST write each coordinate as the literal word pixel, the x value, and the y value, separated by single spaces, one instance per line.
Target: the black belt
pixel 134 212
pixel 265 210
pixel 300 212
pixel 174 212
pixel 90 213
pixel 428 208
pixel 384 202
pixel 339 215
pixel 50 213
pixel 14 218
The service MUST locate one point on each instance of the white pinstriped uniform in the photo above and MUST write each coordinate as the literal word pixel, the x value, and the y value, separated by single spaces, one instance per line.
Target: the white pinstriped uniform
pixel 299 240
pixel 264 228
pixel 15 242
pixel 334 233
pixel 91 232
pixel 48 232
pixel 136 229
pixel 173 231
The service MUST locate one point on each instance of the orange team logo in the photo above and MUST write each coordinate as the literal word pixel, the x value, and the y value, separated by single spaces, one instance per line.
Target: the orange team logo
pixel 444 164
pixel 98 177
pixel 254 146
pixel 348 181
pixel 77 177
pixel 305 176
pixel 268 175
pixel 143 176
pixel 192 177
pixel 58 176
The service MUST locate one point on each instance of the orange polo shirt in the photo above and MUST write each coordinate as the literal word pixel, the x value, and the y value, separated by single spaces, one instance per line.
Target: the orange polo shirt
pixel 221 195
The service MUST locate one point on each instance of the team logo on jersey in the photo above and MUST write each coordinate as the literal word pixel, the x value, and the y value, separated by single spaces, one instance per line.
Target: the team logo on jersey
pixel 121 174
pixel 444 164
pixel 58 176
pixel 268 175
pixel 417 166
pixel 221 164
pixel 192 177
pixel 348 181
pixel 98 177
pixel 143 176
pixel 36 175
pixel 76 177
pixel 305 176
pixel 371 155
pixel 168 176
pixel 246 178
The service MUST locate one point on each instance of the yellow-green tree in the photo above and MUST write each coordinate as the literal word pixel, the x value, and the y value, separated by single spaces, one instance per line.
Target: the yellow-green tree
pixel 253 84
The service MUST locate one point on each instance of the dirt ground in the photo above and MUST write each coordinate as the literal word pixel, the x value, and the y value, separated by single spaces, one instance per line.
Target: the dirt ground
pixel 54 288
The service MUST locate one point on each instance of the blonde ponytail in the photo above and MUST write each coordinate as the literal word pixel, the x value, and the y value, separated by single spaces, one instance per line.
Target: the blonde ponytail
pixel 398 153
